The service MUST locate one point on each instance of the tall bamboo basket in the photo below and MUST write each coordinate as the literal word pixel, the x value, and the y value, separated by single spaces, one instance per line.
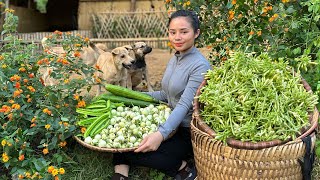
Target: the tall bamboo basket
pixel 266 160
pixel 215 161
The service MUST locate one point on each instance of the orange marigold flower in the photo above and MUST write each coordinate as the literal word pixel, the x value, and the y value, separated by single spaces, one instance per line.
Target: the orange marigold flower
pixel 63 144
pixel 20 176
pixel 83 130
pixel 66 124
pixel 5 109
pixel 61 170
pixel 47 111
pixel 81 103
pixel 33 125
pixel 45 151
pixel 66 105
pixel 76 96
pixel 77 45
pixel 11 101
pixel 55 172
pixel 15 78
pixel 31 75
pixel 259 33
pixel 5 157
pixel 231 15
pixel 97 67
pixel 10 116
pixel 17 85
pixel 15 106
pixel 47 126
pixel 50 169
pixel 17 93
pixel 25 80
pixel 22 69
pixel 234 2
pixel 251 33
pixel 77 54
pixel 3 142
pixel 86 39
pixel 98 80
pixel 168 1
pixel 31 89
pixel 33 119
pixel 21 157
pixel 27 174
pixel 285 1
pixel 56 178
pixel 1 57
pixel 65 62
pixel 29 100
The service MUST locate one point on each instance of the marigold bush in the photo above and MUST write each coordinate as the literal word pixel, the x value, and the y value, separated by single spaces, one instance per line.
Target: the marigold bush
pixel 36 120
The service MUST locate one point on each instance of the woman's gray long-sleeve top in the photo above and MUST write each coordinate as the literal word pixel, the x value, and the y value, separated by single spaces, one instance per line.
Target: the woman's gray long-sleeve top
pixel 182 77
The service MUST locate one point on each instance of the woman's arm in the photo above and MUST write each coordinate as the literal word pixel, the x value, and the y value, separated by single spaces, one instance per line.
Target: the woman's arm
pixel 160 95
pixel 185 103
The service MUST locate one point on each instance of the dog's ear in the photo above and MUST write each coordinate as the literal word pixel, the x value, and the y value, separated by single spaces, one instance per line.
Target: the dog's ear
pixel 115 51
pixel 128 47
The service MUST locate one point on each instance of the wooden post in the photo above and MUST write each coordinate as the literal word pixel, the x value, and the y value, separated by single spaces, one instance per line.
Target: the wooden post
pixel 133 5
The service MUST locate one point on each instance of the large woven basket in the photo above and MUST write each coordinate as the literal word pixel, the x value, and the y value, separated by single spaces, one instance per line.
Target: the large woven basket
pixel 216 161
pixel 103 149
pixel 245 160
pixel 313 119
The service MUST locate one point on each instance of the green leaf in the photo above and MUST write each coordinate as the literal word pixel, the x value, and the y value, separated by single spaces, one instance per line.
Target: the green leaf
pixel 297 50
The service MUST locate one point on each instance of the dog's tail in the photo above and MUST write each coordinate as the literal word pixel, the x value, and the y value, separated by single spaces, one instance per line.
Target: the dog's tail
pixel 95 48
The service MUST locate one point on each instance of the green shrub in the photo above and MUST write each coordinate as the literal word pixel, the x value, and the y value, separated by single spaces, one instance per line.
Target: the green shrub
pixel 36 120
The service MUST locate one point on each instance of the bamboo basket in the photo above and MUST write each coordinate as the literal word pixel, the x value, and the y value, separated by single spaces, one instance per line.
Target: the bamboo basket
pixel 216 161
pixel 103 149
pixel 313 119
pixel 246 160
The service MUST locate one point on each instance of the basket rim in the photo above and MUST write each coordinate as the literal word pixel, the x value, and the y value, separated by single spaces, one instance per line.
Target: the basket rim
pixel 313 119
pixel 102 149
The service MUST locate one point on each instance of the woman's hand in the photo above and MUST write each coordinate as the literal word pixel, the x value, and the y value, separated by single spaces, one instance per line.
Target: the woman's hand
pixel 150 142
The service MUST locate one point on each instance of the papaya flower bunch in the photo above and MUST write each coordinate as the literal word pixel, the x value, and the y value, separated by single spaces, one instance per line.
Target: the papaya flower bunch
pixel 36 121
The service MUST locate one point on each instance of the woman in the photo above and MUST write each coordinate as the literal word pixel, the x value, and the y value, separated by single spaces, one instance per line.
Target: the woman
pixel 168 149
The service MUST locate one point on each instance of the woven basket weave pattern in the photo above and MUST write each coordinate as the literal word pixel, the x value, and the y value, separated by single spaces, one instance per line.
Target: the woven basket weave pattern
pixel 214 160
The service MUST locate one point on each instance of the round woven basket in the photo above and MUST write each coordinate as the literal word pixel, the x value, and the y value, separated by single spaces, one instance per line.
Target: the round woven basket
pixel 216 161
pixel 102 149
pixel 313 119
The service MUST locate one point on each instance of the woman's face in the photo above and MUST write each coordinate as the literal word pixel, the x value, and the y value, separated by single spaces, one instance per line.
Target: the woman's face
pixel 181 34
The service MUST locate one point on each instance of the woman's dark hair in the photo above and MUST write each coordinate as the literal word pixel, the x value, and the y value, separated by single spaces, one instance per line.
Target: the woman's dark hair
pixel 194 20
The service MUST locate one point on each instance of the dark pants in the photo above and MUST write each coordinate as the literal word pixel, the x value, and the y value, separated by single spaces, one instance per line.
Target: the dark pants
pixel 167 158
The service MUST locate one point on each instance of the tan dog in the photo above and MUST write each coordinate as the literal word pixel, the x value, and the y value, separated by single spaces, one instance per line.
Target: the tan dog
pixel 113 66
pixel 88 55
pixel 138 71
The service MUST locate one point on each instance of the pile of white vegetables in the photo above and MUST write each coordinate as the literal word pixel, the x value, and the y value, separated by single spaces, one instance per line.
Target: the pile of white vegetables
pixel 129 125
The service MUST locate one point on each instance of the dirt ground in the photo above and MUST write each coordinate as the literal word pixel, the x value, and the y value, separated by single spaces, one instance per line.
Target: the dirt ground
pixel 156 63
